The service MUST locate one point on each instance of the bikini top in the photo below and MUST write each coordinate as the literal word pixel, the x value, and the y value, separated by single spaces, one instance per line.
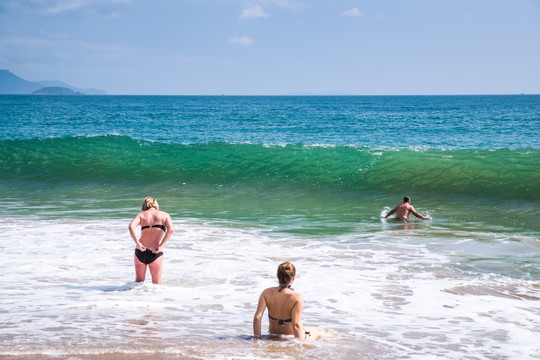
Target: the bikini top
pixel 282 321
pixel 162 227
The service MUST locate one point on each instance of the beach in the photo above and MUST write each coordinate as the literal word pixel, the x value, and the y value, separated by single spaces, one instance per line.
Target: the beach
pixel 251 182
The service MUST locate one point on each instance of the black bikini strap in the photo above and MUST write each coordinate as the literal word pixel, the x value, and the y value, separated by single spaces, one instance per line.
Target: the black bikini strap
pixel 162 227
pixel 280 321
pixel 285 287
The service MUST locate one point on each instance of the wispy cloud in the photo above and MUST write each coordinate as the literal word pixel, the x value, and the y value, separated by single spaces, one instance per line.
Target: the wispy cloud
pixel 53 7
pixel 21 50
pixel 253 12
pixel 284 4
pixel 65 6
pixel 241 40
pixel 354 12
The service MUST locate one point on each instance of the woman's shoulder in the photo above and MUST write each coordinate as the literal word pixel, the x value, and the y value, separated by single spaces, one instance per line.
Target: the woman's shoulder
pixel 163 214
pixel 276 290
pixel 269 290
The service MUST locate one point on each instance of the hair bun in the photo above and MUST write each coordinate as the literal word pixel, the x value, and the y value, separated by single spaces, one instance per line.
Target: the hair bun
pixel 286 271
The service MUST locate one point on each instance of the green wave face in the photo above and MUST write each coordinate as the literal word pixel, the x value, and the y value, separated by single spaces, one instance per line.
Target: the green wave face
pixel 121 160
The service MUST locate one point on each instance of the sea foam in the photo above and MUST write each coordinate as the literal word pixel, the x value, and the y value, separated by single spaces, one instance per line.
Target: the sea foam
pixel 67 289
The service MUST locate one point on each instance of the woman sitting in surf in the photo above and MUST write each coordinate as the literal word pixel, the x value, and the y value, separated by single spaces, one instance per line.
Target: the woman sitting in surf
pixel 284 308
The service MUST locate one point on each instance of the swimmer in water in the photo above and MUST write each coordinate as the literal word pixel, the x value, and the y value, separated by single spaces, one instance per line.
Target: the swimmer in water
pixel 404 210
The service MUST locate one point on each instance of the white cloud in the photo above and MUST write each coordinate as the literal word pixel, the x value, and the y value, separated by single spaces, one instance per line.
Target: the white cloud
pixel 253 12
pixel 241 40
pixel 284 4
pixel 62 7
pixel 354 12
pixel 55 7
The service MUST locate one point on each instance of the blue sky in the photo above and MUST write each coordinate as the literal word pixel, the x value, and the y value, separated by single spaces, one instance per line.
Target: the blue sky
pixel 274 47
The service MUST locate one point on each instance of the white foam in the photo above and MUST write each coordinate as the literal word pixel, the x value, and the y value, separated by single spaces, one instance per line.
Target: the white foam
pixel 67 289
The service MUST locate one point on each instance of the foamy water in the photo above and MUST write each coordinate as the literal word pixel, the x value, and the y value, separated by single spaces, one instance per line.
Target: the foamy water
pixel 388 293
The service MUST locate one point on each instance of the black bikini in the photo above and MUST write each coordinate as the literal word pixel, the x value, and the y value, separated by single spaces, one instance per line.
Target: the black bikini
pixel 147 256
pixel 162 227
pixel 282 287
pixel 282 321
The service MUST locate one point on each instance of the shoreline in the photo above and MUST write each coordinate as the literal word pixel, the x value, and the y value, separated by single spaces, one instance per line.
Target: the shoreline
pixel 67 293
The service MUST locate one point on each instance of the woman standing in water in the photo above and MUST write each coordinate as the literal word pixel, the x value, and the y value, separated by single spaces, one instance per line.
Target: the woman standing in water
pixel 284 308
pixel 156 230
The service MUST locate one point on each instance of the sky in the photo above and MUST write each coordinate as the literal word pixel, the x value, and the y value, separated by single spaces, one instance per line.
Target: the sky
pixel 276 47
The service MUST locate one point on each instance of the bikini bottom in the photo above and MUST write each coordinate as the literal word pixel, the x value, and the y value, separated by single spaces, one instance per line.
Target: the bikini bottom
pixel 147 256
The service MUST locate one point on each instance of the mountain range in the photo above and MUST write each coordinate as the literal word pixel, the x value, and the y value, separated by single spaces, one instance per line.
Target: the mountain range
pixel 12 84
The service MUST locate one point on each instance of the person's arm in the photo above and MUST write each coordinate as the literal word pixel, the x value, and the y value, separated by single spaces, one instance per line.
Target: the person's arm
pixel 418 215
pixel 132 226
pixel 391 212
pixel 298 329
pixel 257 318
pixel 168 234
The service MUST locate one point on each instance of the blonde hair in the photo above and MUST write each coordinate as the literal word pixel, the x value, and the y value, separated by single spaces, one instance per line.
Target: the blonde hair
pixel 285 273
pixel 148 203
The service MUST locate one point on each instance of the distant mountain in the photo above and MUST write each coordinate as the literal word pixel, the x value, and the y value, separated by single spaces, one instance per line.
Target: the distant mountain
pixel 12 84
pixel 56 90
pixel 90 91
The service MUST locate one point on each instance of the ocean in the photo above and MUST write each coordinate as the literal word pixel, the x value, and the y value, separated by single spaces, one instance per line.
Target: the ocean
pixel 252 181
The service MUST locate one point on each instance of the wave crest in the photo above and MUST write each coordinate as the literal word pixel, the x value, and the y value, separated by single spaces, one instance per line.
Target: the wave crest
pixel 123 160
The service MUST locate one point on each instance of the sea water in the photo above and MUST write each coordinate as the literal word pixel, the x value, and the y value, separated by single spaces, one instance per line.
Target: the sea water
pixel 254 181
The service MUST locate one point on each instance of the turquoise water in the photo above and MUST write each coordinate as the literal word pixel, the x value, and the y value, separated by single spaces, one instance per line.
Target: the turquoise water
pixel 251 181
pixel 325 159
pixel 463 122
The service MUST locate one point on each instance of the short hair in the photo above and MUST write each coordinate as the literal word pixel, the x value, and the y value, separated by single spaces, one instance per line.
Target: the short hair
pixel 285 272
pixel 149 202
pixel 406 199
